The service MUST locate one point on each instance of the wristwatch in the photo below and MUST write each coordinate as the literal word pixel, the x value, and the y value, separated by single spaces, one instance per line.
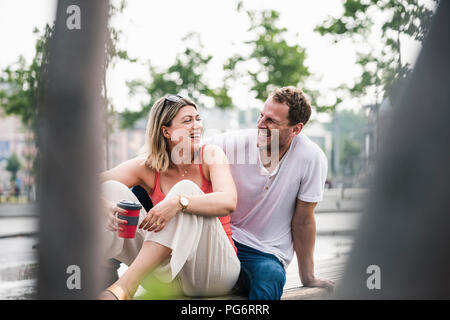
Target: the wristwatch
pixel 183 201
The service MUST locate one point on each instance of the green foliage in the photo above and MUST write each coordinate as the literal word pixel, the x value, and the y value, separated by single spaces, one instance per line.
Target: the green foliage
pixel 112 54
pixel 278 63
pixel 13 165
pixel 20 84
pixel 158 290
pixel 185 75
pixel 384 71
pixel 21 87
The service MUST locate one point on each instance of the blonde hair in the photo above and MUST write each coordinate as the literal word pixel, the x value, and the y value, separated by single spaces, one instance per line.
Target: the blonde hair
pixel 155 148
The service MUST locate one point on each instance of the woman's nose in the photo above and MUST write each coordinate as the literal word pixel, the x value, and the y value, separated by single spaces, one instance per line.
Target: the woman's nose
pixel 198 125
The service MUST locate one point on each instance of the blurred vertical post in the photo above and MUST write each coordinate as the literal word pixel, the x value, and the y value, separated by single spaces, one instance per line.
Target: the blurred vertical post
pixel 70 143
pixel 402 250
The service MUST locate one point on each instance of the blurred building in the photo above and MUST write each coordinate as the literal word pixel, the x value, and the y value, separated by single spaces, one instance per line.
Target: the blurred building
pixel 376 125
pixel 124 144
pixel 15 138
pixel 216 120
pixel 317 132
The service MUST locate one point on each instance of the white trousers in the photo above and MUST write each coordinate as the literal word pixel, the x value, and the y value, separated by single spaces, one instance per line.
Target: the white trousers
pixel 202 259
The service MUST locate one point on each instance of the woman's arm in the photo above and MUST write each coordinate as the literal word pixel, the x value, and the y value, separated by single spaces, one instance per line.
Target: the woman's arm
pixel 128 173
pixel 221 202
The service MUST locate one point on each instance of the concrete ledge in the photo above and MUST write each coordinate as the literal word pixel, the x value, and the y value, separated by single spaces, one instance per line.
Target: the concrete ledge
pixel 306 293
pixel 300 293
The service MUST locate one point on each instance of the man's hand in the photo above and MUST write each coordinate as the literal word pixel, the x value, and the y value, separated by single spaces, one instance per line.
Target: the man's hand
pixel 304 236
pixel 321 283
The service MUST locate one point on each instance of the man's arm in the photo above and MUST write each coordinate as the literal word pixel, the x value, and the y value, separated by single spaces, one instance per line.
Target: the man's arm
pixel 304 236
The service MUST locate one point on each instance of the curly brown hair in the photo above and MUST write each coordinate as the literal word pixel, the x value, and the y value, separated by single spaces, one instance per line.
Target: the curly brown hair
pixel 298 103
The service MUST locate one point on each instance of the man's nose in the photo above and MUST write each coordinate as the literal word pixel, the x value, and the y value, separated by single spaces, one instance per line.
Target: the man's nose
pixel 261 124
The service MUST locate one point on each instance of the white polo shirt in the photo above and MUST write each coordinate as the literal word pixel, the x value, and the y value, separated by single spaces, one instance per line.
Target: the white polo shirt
pixel 266 201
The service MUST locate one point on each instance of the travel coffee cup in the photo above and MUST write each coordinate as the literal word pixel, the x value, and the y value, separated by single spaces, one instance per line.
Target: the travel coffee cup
pixel 132 217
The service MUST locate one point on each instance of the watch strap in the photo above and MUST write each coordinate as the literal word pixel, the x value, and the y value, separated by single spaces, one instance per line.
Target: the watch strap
pixel 183 207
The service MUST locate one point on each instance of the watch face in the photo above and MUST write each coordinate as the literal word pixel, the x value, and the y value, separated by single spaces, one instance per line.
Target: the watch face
pixel 184 201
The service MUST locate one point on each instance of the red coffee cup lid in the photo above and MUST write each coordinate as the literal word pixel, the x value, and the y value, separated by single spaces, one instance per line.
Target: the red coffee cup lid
pixel 129 205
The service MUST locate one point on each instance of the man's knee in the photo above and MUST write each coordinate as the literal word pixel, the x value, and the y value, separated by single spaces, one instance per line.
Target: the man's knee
pixel 267 281
pixel 271 272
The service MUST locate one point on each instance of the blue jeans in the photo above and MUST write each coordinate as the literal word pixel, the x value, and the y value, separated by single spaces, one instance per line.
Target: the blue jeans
pixel 262 275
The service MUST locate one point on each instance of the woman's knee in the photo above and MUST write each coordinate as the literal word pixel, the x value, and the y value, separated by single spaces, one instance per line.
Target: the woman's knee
pixel 111 185
pixel 186 187
pixel 115 191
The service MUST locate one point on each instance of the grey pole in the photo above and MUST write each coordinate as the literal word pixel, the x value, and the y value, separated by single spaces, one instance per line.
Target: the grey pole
pixel 402 249
pixel 70 145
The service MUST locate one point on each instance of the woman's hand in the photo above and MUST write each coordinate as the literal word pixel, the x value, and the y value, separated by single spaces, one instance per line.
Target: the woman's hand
pixel 110 210
pixel 159 216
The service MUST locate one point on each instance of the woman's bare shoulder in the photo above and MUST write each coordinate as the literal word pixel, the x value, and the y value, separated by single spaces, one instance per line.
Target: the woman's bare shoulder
pixel 139 161
pixel 146 173
pixel 213 154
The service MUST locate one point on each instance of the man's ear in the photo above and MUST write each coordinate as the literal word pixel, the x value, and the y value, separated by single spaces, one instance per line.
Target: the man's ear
pixel 297 128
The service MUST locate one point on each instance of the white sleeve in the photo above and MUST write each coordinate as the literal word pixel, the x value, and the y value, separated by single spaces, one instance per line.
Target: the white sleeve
pixel 313 180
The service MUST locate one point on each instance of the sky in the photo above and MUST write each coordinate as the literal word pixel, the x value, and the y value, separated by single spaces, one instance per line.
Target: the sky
pixel 152 31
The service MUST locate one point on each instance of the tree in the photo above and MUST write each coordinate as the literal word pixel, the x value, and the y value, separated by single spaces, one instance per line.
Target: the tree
pixel 13 166
pixel 20 94
pixel 185 75
pixel 22 83
pixel 279 64
pixel 272 61
pixel 112 54
pixel 382 70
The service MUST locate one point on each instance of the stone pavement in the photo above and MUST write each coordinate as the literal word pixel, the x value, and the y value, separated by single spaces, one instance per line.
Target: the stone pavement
pixel 18 267
pixel 23 210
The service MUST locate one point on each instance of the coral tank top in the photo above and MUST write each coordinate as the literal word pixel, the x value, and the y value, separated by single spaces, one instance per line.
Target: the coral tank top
pixel 157 196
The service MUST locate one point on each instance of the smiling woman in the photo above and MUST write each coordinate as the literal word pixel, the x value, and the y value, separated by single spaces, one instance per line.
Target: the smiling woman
pixel 172 119
pixel 187 232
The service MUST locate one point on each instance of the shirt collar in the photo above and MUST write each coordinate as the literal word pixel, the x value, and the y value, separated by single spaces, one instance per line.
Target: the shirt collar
pixel 263 171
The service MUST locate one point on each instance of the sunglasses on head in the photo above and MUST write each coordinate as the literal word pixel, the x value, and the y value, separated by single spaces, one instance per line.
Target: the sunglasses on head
pixel 172 98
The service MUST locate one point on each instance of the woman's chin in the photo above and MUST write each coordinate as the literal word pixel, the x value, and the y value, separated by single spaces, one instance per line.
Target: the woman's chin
pixel 195 144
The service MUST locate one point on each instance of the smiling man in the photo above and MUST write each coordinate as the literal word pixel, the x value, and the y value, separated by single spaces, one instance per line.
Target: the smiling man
pixel 277 195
